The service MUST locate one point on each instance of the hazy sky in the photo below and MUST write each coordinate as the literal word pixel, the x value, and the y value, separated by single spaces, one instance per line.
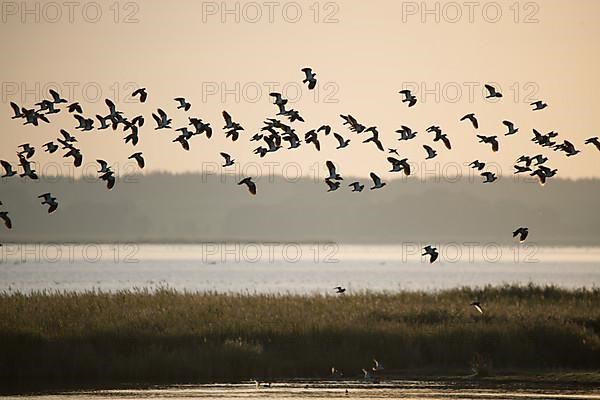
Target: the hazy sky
pixel 363 54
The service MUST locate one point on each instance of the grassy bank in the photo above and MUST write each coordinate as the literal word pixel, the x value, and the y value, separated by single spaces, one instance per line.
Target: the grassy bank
pixel 174 337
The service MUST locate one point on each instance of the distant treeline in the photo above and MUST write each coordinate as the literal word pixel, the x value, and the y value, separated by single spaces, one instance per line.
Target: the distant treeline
pixel 196 208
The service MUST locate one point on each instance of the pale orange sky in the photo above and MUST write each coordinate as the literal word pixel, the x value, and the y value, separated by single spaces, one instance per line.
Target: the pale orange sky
pixel 361 61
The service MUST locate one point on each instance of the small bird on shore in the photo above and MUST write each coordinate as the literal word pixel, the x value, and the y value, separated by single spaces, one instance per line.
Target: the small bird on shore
pixel 522 232
pixel 431 252
pixel 369 376
pixel 477 305
pixel 378 366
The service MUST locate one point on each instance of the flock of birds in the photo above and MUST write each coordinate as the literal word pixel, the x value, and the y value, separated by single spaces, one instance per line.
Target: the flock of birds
pixel 270 138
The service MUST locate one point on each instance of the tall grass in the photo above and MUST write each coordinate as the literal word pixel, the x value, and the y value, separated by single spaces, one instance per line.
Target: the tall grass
pixel 166 336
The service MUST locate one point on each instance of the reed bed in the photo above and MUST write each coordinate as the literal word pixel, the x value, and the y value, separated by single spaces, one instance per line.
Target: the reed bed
pixel 168 336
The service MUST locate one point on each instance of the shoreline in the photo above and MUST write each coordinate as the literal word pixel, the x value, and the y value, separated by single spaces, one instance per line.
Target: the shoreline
pixel 522 380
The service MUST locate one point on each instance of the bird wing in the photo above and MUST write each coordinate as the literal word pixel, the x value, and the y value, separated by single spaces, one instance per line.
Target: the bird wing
pixel 376 179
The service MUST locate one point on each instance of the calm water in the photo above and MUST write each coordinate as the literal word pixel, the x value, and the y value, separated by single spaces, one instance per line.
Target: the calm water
pixel 328 390
pixel 306 268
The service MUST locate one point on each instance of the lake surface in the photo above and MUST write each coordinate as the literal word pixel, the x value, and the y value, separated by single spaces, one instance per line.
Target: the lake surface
pixel 337 390
pixel 290 268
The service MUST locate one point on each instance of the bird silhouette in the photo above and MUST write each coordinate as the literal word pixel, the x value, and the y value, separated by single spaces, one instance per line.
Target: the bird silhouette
pixel 250 184
pixel 431 252
pixel 50 201
pixel 471 117
pixel 522 232
pixel 309 77
pixel 408 97
pixel 142 93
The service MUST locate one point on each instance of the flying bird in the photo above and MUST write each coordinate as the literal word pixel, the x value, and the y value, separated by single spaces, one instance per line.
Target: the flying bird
pixel 511 128
pixel 27 150
pixel 493 140
pixel 182 139
pixel 492 92
pixel 489 177
pixel 162 120
pixel 251 185
pixel 538 105
pixel 142 93
pixel 522 232
pixel 431 153
pixel 228 160
pixel 67 136
pixel 50 147
pixel 325 128
pixel 406 133
pixel 357 187
pixel 309 78
pixel 377 183
pixel 85 124
pixel 17 111
pixel 139 158
pixel 478 165
pixel 109 178
pixel 56 99
pixel 431 252
pixel 408 97
pixel 374 138
pixel 593 140
pixel 333 186
pixel 50 201
pixel 182 103
pixel 471 117
pixel 7 222
pixel 75 107
pixel 399 165
pixel 339 289
pixel 8 169
pixel 342 142
pixel 333 175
